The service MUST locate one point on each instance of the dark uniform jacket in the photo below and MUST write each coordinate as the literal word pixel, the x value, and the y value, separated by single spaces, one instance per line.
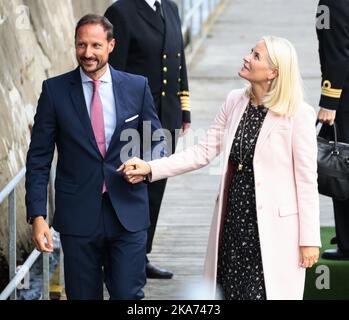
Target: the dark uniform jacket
pixel 334 55
pixel 154 49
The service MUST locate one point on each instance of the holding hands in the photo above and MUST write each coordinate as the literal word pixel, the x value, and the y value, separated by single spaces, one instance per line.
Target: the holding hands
pixel 135 170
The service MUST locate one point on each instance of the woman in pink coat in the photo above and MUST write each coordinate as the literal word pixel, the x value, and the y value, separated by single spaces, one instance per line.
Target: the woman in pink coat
pixel 265 229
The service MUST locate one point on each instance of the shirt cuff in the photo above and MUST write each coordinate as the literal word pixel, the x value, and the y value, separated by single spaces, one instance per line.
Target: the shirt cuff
pixel 328 109
pixel 31 219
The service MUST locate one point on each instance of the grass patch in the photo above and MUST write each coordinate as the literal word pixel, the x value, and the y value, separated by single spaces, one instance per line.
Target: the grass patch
pixel 338 274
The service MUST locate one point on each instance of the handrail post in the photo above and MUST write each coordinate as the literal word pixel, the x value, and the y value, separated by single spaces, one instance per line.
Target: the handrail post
pixel 61 266
pixel 182 10
pixel 201 11
pixel 45 276
pixel 12 238
pixel 45 255
pixel 190 29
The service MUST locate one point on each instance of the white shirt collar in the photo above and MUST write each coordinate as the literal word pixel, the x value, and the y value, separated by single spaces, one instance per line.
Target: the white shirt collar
pixel 151 3
pixel 105 78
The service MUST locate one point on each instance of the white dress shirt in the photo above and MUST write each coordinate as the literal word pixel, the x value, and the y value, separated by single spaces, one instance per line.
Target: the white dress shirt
pixel 106 93
pixel 151 3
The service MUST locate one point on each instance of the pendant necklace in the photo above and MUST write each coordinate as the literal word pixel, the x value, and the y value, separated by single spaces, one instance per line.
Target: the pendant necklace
pixel 241 156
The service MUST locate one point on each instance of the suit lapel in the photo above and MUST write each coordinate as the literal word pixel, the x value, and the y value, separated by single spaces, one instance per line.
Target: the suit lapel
pixel 119 106
pixel 146 13
pixel 79 103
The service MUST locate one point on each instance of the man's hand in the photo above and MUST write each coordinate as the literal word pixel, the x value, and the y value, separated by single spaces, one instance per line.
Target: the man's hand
pixel 326 116
pixel 185 129
pixel 135 170
pixel 41 235
pixel 308 256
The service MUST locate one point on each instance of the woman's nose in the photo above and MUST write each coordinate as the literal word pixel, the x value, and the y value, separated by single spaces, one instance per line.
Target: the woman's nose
pixel 247 58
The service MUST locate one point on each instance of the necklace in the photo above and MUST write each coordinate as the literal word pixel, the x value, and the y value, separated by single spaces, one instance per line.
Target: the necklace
pixel 241 156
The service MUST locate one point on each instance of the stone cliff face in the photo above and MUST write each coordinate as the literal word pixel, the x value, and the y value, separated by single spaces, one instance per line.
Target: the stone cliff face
pixel 37 42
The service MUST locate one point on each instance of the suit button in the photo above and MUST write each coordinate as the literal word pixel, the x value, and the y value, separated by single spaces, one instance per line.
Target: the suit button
pixel 163 93
pixel 165 69
pixel 180 68
pixel 179 79
pixel 164 81
pixel 178 55
pixel 164 56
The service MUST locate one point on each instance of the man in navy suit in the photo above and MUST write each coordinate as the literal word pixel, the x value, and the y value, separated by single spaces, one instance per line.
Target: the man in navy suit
pixel 102 219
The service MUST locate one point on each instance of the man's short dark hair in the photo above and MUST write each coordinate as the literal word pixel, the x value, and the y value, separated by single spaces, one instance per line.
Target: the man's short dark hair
pixel 96 19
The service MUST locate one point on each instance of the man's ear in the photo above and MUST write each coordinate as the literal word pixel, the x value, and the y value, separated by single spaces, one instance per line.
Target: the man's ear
pixel 111 44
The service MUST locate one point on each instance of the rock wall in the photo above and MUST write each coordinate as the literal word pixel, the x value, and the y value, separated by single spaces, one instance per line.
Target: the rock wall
pixel 37 42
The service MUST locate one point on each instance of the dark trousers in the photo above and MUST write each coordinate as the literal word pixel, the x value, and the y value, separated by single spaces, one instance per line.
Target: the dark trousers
pixel 156 192
pixel 340 208
pixel 111 254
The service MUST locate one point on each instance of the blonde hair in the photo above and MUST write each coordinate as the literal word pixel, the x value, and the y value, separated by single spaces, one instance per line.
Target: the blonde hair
pixel 286 92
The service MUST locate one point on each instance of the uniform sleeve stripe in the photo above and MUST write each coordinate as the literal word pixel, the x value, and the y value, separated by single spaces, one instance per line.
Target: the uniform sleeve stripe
pixel 327 91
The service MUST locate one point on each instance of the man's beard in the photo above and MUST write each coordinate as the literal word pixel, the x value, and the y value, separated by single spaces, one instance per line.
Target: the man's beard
pixel 100 65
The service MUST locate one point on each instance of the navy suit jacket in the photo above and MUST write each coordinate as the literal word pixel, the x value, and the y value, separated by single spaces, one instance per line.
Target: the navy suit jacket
pixel 62 120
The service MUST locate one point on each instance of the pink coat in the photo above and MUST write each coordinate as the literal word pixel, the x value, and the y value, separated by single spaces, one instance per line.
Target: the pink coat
pixel 287 198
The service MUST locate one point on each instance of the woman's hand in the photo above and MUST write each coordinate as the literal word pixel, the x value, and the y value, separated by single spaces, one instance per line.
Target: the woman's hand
pixel 308 256
pixel 135 170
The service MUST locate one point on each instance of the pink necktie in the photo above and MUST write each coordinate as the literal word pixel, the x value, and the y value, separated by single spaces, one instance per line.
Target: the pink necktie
pixel 97 121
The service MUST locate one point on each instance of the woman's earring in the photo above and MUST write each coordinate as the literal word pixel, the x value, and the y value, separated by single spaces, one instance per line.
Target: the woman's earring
pixel 269 82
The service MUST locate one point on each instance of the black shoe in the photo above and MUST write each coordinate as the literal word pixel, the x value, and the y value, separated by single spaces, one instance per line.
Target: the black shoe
pixel 334 240
pixel 154 272
pixel 334 254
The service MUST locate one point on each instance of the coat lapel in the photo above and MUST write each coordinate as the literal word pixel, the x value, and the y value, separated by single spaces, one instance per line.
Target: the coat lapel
pixel 146 13
pixel 234 123
pixel 77 96
pixel 270 121
pixel 165 10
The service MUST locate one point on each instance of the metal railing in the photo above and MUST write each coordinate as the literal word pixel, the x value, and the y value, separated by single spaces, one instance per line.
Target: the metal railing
pixel 195 20
pixel 16 275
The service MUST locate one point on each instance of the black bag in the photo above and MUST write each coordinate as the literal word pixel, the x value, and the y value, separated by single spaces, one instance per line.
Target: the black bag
pixel 333 167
